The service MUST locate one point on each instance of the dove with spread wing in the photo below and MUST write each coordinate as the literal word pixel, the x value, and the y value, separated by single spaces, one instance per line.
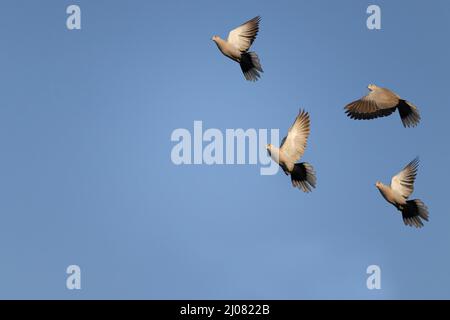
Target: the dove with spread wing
pixel 291 150
pixel 237 45
pixel 397 194
pixel 382 102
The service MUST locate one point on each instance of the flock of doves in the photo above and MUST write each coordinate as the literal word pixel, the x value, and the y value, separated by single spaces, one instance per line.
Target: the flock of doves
pixel 380 102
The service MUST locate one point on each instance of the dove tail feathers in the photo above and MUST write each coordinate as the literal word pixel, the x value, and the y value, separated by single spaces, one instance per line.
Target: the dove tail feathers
pixel 250 65
pixel 303 177
pixel 413 212
pixel 408 113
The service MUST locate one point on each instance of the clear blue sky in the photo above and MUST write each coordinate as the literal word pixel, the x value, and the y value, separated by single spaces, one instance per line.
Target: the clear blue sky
pixel 85 170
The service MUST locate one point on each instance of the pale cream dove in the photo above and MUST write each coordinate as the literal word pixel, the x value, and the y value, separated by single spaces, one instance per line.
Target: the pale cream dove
pixel 397 194
pixel 237 45
pixel 292 149
pixel 381 102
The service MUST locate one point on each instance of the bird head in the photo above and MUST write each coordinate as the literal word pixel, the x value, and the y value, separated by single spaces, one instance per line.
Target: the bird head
pixel 371 87
pixel 214 38
pixel 378 184
pixel 269 148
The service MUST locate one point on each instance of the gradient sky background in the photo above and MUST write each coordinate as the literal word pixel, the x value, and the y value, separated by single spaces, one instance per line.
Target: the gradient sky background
pixel 86 176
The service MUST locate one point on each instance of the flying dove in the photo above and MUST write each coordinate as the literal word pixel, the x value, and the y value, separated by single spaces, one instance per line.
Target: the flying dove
pixel 292 149
pixel 397 194
pixel 237 45
pixel 382 102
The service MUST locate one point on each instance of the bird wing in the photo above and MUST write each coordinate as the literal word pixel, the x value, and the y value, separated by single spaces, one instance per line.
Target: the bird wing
pixel 403 182
pixel 243 36
pixel 380 102
pixel 294 144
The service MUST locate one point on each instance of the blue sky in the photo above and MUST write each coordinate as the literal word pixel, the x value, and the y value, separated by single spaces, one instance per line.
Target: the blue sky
pixel 86 176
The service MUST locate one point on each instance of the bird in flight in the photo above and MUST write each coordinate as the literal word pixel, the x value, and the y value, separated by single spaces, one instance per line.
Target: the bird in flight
pixel 382 102
pixel 292 149
pixel 237 45
pixel 397 194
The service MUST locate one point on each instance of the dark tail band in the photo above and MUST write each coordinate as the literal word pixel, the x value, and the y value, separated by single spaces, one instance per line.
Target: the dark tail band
pixel 408 113
pixel 303 177
pixel 414 212
pixel 250 65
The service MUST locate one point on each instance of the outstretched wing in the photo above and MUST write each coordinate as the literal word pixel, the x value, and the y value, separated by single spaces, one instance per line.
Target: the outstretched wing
pixel 403 182
pixel 294 144
pixel 380 102
pixel 243 36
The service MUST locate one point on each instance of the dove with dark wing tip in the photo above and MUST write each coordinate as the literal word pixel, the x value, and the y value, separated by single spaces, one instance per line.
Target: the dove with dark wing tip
pixel 397 194
pixel 292 149
pixel 382 102
pixel 237 45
